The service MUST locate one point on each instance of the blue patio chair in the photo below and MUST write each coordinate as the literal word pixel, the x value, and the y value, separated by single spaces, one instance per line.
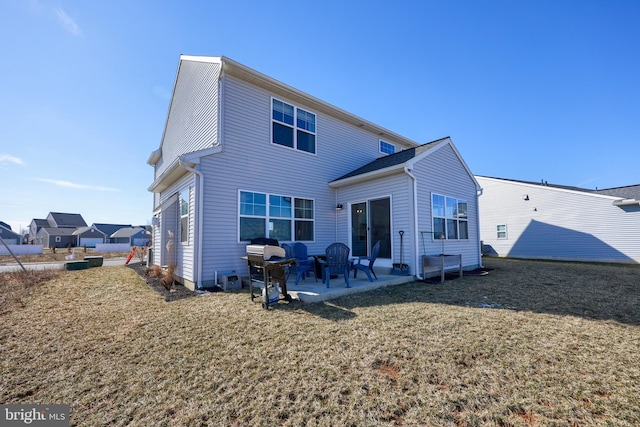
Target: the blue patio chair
pixel 304 264
pixel 367 266
pixel 337 262
pixel 288 254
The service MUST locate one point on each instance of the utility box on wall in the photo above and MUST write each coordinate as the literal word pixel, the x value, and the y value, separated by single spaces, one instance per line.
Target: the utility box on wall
pixel 229 280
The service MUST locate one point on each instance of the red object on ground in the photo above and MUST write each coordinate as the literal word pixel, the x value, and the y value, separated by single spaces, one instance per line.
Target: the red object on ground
pixel 131 254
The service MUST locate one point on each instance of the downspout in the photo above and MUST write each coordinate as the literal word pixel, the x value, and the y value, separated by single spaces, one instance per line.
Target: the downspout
pixel 416 249
pixel 478 194
pixel 335 203
pixel 197 250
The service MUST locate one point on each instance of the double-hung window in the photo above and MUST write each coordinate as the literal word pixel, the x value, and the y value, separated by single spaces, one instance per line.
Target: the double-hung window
pixel 501 230
pixel 293 127
pixel 284 218
pixel 184 216
pixel 450 219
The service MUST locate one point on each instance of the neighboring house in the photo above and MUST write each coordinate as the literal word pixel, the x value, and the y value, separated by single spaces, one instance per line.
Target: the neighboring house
pixel 134 236
pixel 109 229
pixel 243 156
pixel 49 237
pixel 34 228
pixel 522 219
pixel 65 220
pixel 9 236
pixel 89 236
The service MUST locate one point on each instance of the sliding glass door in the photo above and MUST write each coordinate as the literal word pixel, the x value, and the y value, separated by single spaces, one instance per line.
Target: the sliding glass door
pixel 370 222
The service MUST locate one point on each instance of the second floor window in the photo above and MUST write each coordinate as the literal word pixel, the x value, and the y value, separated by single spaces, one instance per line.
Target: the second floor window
pixel 293 127
pixel 387 148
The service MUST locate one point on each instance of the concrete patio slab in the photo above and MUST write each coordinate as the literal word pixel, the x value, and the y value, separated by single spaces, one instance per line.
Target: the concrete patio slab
pixel 309 291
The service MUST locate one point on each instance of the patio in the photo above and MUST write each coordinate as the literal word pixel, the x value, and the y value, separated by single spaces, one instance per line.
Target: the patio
pixel 310 291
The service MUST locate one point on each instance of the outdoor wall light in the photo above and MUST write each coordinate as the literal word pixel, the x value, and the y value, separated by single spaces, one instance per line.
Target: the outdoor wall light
pixel 526 197
pixel 339 207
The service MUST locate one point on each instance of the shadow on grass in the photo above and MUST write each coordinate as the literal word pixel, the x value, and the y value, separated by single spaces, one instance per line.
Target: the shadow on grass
pixel 590 291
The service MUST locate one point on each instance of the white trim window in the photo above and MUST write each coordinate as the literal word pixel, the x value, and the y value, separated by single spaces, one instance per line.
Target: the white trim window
pixel 292 127
pixel 184 216
pixel 387 147
pixel 450 219
pixel 501 231
pixel 284 218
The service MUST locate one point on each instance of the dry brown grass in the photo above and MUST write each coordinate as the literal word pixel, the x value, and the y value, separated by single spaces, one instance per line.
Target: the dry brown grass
pixel 531 344
pixel 47 255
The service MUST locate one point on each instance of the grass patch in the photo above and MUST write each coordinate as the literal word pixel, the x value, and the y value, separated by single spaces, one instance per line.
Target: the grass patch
pixel 531 344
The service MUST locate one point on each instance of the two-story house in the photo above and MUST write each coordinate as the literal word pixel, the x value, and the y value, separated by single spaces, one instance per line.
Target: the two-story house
pixel 244 155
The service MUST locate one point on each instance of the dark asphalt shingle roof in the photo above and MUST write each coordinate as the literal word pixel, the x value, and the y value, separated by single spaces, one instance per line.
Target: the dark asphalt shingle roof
pixel 109 229
pixel 127 232
pixel 628 192
pixel 388 161
pixel 60 219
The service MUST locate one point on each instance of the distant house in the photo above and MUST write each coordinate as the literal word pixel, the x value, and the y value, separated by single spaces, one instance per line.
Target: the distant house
pixel 9 236
pixel 538 220
pixel 243 156
pixel 55 221
pixel 34 228
pixel 134 236
pixel 89 236
pixel 65 220
pixel 49 237
pixel 109 229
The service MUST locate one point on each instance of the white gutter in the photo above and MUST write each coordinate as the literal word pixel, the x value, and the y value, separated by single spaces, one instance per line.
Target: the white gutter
pixel 416 249
pixel 478 194
pixel 626 202
pixel 197 250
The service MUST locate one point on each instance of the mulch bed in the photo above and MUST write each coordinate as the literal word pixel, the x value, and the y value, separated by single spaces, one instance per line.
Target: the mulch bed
pixel 175 292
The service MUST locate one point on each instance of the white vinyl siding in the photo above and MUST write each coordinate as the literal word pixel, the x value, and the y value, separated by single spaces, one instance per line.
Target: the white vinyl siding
pixel 392 187
pixel 180 254
pixel 251 162
pixel 557 223
pixel 192 119
pixel 442 173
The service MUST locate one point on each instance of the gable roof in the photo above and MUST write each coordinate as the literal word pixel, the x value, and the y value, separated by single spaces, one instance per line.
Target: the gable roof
pixel 251 76
pixel 6 231
pixel 81 230
pixel 57 231
pixel 127 232
pixel 628 192
pixel 394 163
pixel 109 229
pixel 60 219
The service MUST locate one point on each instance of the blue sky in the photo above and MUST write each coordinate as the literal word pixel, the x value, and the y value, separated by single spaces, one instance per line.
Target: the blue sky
pixel 526 89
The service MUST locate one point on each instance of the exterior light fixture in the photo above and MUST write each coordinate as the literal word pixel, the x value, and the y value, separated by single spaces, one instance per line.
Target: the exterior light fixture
pixel 526 197
pixel 339 207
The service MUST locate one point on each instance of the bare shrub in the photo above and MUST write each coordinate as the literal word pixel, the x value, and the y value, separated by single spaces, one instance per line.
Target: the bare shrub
pixel 154 271
pixel 16 287
pixel 167 278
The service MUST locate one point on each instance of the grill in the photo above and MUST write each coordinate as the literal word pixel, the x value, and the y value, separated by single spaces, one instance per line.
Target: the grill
pixel 267 271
